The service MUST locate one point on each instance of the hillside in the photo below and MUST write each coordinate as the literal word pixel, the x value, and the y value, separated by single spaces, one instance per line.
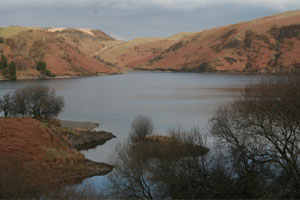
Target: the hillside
pixel 136 52
pixel 267 44
pixel 65 51
pixel 32 146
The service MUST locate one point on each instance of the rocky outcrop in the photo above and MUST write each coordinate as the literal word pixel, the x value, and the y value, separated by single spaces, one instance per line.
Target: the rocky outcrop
pixel 83 140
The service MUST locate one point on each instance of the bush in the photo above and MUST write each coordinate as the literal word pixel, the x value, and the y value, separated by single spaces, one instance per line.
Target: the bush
pixel 41 66
pixel 140 128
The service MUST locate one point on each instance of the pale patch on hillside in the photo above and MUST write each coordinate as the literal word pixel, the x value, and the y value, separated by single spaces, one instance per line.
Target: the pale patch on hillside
pixel 85 30
pixel 181 35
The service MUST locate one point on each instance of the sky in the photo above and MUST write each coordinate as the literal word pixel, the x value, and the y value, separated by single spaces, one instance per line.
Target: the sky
pixel 128 19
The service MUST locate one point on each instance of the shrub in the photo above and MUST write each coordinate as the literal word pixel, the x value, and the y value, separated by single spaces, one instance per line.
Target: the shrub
pixel 41 66
pixel 140 128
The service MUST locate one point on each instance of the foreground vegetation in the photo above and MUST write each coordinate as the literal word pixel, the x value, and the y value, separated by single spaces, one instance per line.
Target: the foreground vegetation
pixel 256 152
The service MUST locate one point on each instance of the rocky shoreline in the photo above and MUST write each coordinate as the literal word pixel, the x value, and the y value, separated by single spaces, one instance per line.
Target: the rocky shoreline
pixel 84 140
pixel 82 135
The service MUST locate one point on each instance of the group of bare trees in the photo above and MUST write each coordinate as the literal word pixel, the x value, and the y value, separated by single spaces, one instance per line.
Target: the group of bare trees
pixel 33 101
pixel 256 152
pixel 261 130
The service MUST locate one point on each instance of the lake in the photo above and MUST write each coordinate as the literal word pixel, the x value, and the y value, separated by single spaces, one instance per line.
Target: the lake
pixel 170 99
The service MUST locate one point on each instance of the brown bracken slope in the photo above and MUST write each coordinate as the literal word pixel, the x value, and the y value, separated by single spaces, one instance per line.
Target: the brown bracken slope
pixel 32 143
pixel 267 44
pixel 65 51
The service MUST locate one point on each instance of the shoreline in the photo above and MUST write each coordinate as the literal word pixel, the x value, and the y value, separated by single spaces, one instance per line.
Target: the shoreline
pixel 79 125
pixel 29 78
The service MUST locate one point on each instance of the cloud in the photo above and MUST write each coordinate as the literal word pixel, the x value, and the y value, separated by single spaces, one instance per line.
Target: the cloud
pixel 194 4
pixel 166 4
pixel 127 19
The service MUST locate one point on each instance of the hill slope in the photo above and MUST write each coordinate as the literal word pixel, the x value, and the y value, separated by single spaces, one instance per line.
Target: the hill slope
pixel 267 44
pixel 136 52
pixel 65 51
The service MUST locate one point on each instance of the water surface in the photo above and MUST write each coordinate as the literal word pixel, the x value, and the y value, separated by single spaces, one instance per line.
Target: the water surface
pixel 171 99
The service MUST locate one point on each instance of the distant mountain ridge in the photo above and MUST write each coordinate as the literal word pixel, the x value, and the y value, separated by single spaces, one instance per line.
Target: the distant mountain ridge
pixel 268 44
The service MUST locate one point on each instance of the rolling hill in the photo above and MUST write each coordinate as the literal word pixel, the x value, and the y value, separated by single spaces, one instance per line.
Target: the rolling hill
pixel 268 44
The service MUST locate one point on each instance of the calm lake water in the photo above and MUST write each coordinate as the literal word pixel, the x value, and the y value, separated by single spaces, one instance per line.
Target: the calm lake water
pixel 171 99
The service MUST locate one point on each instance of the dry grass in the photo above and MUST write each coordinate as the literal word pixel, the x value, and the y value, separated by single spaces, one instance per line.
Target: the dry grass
pixel 14 30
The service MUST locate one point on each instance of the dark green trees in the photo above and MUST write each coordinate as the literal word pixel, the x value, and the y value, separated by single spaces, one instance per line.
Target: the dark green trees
pixel 4 61
pixel 42 67
pixel 12 71
pixel 8 71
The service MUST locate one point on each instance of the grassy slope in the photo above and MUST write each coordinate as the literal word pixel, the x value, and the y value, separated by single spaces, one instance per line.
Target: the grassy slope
pixel 10 31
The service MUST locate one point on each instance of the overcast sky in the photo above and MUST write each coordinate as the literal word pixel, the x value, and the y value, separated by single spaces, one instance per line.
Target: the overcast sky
pixel 127 19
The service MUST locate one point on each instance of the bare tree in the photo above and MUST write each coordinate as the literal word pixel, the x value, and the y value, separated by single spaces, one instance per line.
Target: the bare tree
pixel 140 128
pixel 20 107
pixel 6 104
pixel 130 178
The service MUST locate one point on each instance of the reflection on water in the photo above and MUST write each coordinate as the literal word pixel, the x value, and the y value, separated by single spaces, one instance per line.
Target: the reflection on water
pixel 171 99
